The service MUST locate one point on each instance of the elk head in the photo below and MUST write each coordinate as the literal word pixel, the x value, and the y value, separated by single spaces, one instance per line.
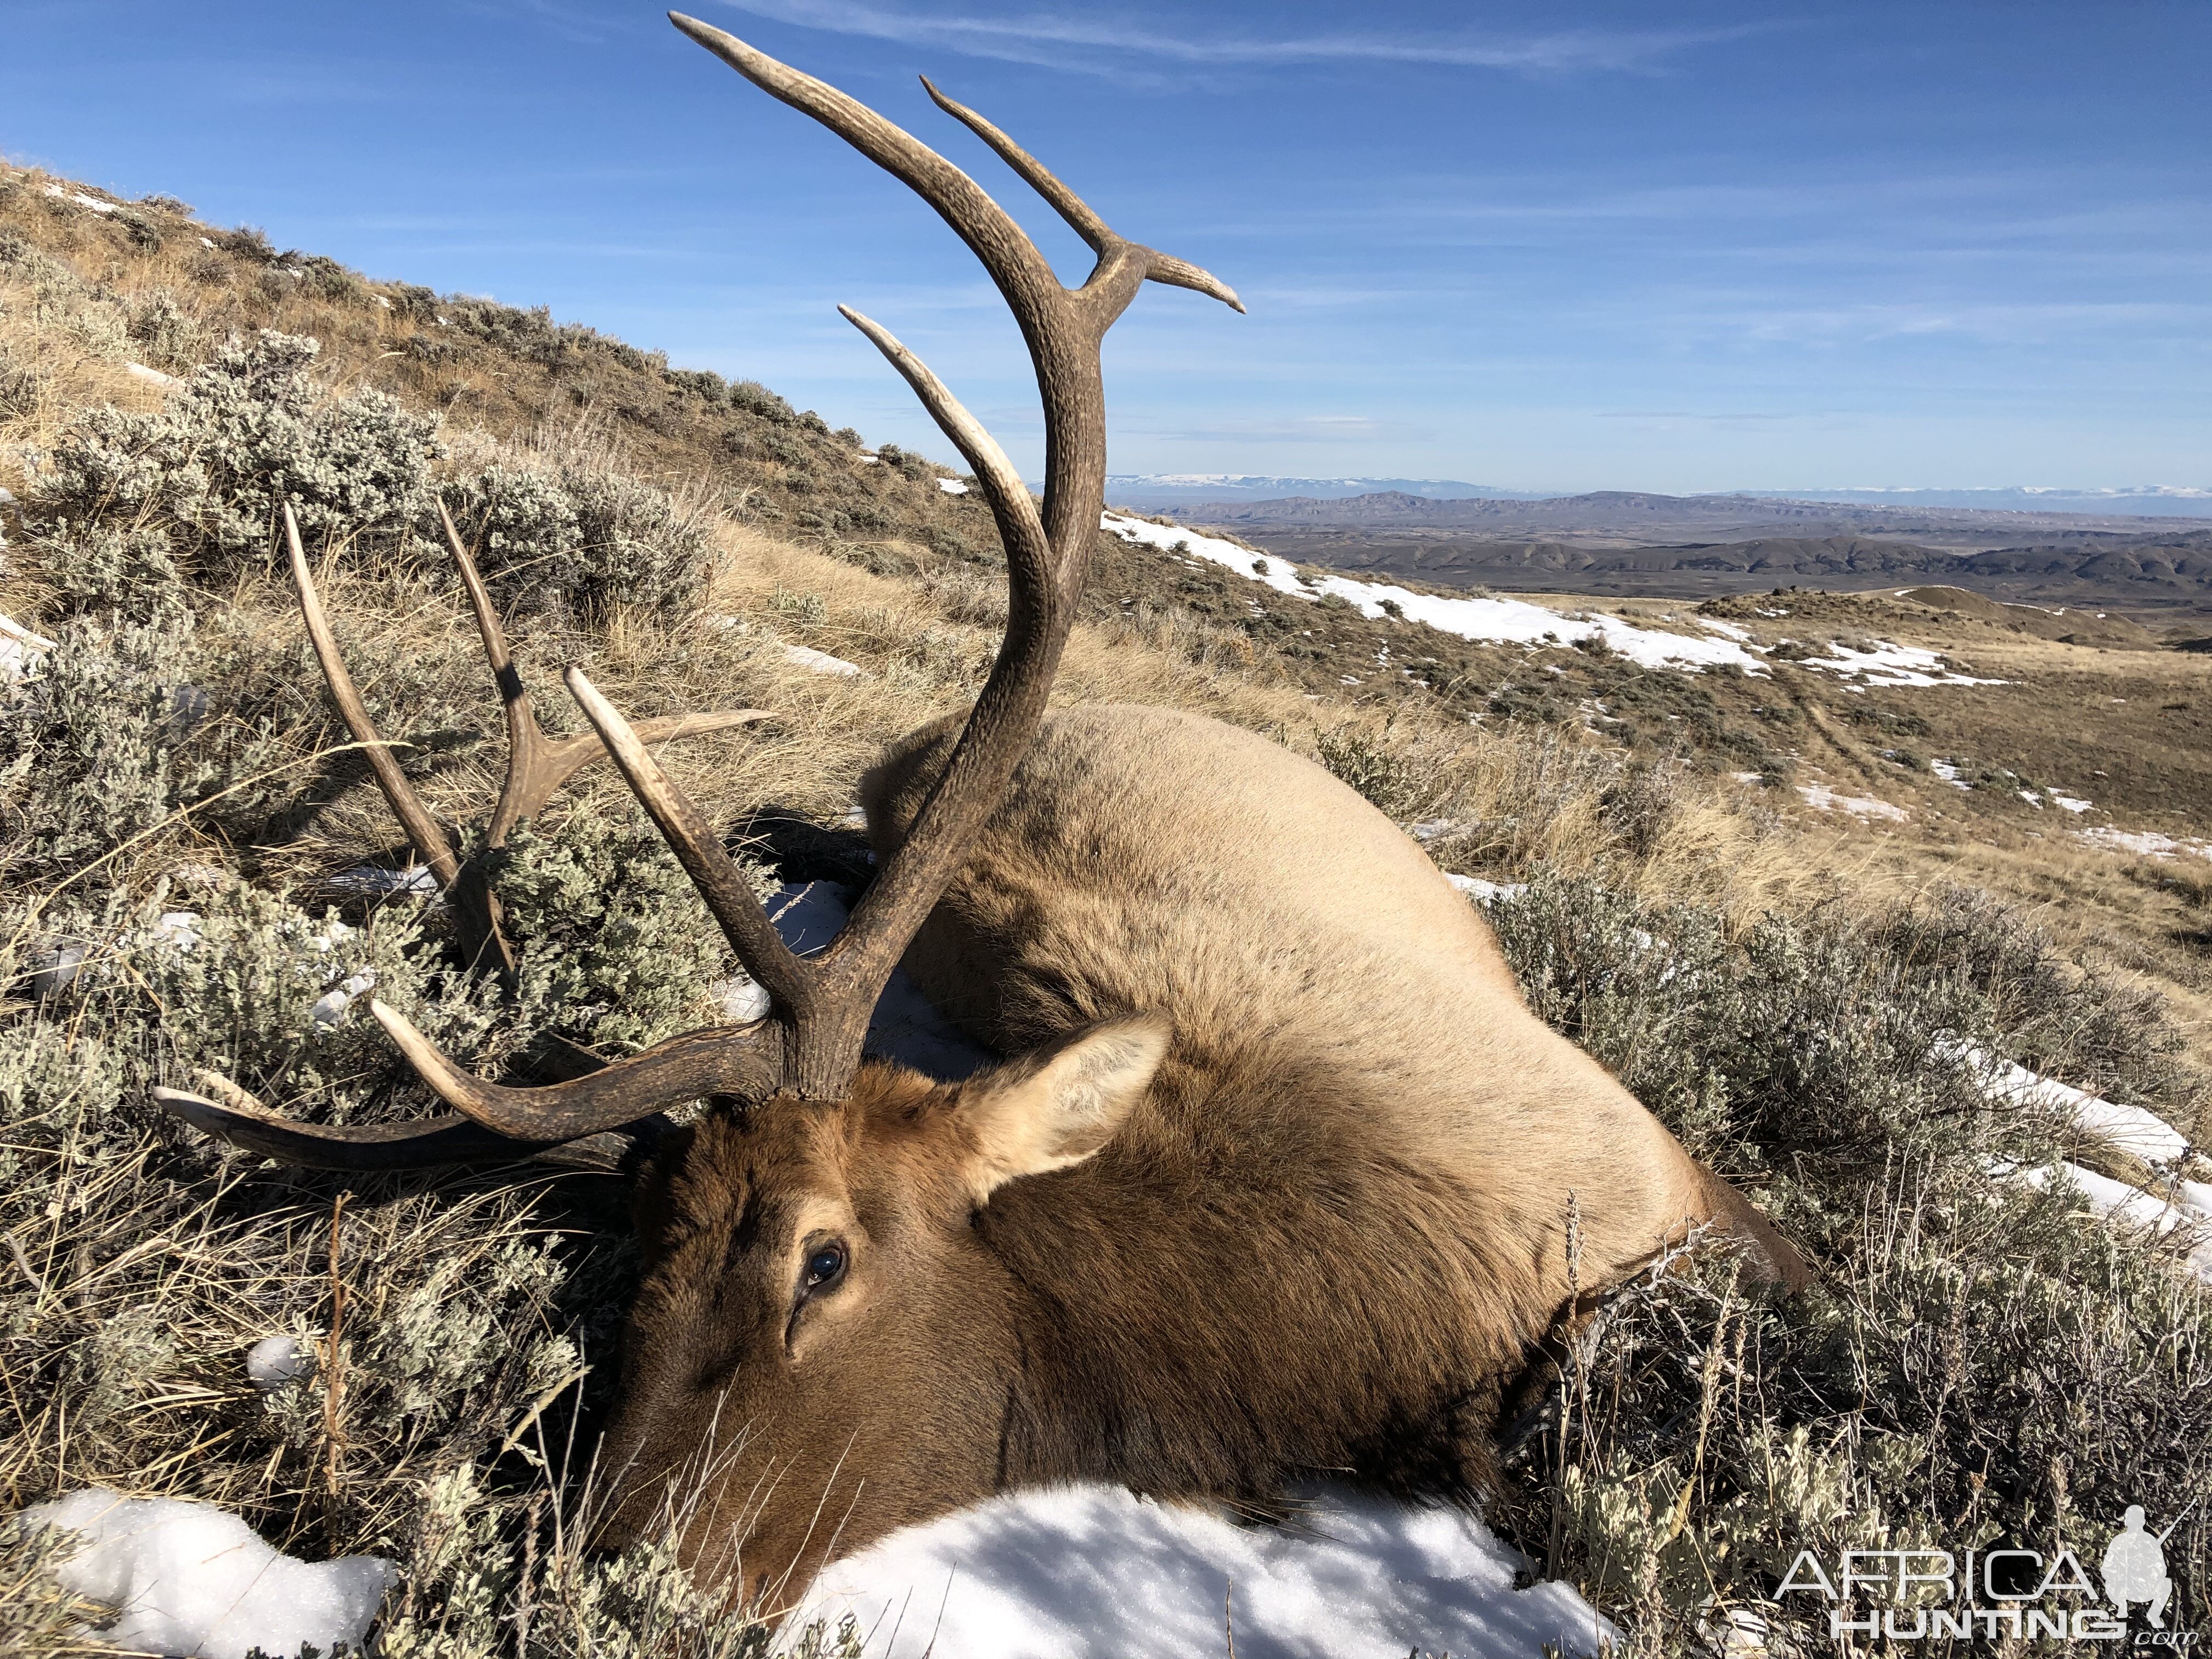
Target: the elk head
pixel 809 1243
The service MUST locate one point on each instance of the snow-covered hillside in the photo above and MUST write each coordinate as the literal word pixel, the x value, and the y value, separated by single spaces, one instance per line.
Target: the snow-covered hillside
pixel 1517 622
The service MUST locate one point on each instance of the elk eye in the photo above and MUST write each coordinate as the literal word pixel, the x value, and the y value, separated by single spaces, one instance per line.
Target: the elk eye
pixel 823 1269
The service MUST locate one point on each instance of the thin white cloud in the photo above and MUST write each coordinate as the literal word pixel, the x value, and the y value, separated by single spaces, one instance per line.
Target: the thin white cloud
pixel 1106 46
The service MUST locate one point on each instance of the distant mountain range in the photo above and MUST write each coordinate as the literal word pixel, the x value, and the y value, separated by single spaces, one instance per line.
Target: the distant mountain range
pixel 1172 488
pixel 1158 489
pixel 2143 500
pixel 1623 517
pixel 2156 572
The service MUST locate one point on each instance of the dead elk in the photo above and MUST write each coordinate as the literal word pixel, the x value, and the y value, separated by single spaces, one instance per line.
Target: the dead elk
pixel 1279 1184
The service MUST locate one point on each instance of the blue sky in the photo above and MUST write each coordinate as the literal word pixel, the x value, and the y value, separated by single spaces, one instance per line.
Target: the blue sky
pixel 1558 245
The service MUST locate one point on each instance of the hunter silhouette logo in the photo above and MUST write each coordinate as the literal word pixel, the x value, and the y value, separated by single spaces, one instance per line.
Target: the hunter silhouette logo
pixel 2135 1568
pixel 1926 1593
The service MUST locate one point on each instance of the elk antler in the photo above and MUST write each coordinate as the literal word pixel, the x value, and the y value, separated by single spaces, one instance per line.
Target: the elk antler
pixel 537 766
pixel 819 1009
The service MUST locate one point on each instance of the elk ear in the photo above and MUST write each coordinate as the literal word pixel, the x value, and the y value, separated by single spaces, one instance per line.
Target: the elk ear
pixel 1059 1105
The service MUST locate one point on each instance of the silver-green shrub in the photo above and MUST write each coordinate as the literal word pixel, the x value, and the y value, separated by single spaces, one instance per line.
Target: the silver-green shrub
pixel 246 434
pixel 1980 1361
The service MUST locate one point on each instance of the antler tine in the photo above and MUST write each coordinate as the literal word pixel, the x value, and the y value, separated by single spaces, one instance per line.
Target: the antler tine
pixel 742 1060
pixel 711 870
pixel 1022 273
pixel 1078 213
pixel 1048 554
pixel 538 765
pixel 450 1138
pixel 1065 202
pixel 1012 504
pixel 525 741
pixel 1180 273
pixel 406 805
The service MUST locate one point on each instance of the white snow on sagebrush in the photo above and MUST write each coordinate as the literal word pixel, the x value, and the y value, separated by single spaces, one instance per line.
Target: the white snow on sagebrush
pixel 2115 1201
pixel 194 1580
pixel 1095 1572
pixel 1516 622
pixel 1822 798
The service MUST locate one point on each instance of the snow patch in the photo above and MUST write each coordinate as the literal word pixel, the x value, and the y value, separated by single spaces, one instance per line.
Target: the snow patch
pixel 819 662
pixel 1095 1572
pixel 192 1579
pixel 1476 888
pixel 1822 798
pixel 2130 1128
pixel 1516 622
pixel 79 198
pixel 373 879
pixel 952 486
pixel 1890 664
pixel 1502 621
pixel 2071 802
pixel 21 650
pixel 2115 1200
pixel 2144 843
pixel 275 1361
pixel 330 1007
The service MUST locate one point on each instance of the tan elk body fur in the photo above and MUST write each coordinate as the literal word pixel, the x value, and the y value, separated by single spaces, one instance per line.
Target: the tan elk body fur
pixel 1150 860
pixel 1319 1229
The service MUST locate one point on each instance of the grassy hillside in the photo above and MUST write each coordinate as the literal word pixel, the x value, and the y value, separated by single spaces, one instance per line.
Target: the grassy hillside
pixel 184 833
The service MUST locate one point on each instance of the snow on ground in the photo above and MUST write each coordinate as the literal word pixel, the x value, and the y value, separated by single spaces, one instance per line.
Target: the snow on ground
pixel 276 1362
pixel 2115 1200
pixel 1094 1572
pixel 379 878
pixel 952 486
pixel 1516 622
pixel 1503 621
pixel 79 198
pixel 819 662
pixel 1476 888
pixel 20 649
pixel 1949 771
pixel 2071 802
pixel 1822 798
pixel 905 1027
pixel 2144 843
pixel 2130 1128
pixel 1890 664
pixel 192 1579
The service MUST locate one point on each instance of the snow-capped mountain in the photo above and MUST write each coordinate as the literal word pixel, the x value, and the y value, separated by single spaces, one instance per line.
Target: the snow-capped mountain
pixel 1171 489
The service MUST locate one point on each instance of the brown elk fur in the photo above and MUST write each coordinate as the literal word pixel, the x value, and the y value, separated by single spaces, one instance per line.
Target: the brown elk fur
pixel 1320 1236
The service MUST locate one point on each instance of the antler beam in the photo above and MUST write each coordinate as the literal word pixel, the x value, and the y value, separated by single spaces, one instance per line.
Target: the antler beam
pixel 819 1008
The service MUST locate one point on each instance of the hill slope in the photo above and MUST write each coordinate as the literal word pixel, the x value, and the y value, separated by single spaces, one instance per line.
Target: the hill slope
pixel 2158 571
